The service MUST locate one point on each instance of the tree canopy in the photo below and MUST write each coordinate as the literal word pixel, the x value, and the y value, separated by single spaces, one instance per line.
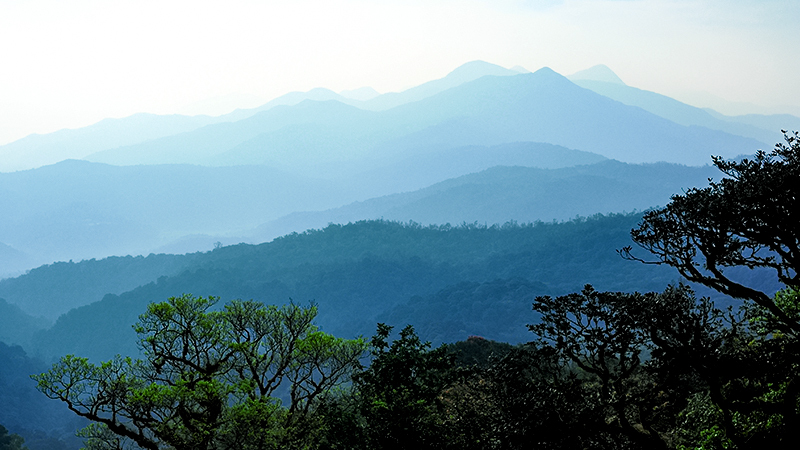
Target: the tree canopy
pixel 243 376
pixel 10 441
pixel 750 219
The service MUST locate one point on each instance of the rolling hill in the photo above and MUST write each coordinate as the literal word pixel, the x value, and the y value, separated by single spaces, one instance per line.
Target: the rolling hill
pixel 505 193
pixel 361 273
pixel 40 150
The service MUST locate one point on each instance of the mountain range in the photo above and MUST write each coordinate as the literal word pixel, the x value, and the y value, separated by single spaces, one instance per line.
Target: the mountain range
pixel 358 274
pixel 536 107
pixel 150 183
pixel 36 150
pixel 514 193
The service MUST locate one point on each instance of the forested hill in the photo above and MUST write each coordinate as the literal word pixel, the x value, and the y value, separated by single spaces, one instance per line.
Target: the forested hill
pixel 450 281
pixel 53 289
pixel 45 423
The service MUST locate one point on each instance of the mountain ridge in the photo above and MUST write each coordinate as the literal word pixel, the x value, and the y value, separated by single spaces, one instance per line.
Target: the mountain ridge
pixel 542 106
pixel 500 194
pixel 600 72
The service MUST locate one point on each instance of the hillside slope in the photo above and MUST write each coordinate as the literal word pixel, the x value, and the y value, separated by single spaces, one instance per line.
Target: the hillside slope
pixel 525 194
pixel 361 273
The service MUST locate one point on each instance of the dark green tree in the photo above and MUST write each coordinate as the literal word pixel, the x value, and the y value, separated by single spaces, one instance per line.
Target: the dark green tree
pixel 731 236
pixel 209 379
pixel 400 393
pixel 750 219
pixel 10 441
pixel 601 334
pixel 478 352
pixel 524 399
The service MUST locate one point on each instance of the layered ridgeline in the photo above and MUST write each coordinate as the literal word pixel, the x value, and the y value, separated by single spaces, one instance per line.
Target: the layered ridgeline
pixel 765 128
pixel 493 196
pixel 484 147
pixel 43 149
pixel 535 107
pixel 38 150
pixel 450 282
pixel 319 150
pixel 78 210
pixel 44 424
pixel 16 326
pixel 477 91
pixel 525 194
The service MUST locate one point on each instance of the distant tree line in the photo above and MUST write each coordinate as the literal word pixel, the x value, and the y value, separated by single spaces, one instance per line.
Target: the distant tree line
pixel 361 274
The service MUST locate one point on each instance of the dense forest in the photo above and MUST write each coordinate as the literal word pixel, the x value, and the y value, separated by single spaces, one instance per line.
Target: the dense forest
pixel 358 274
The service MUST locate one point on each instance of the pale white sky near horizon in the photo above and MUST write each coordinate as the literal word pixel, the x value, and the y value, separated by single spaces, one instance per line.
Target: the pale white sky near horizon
pixel 70 64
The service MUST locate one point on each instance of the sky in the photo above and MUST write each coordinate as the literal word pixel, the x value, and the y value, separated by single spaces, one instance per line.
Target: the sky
pixel 71 64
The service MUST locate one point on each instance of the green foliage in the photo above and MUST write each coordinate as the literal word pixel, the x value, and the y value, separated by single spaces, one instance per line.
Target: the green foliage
pixel 399 395
pixel 788 301
pixel 609 370
pixel 498 308
pixel 384 271
pixel 726 236
pixel 10 441
pixel 209 378
pixel 749 219
pixel 526 396
pixel 97 436
pixel 603 335
pixel 711 379
pixel 478 351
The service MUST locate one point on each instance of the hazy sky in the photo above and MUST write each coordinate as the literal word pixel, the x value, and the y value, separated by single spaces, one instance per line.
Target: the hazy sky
pixel 66 64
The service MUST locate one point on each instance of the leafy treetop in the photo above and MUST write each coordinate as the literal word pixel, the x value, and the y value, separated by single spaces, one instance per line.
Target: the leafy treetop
pixel 210 379
pixel 749 219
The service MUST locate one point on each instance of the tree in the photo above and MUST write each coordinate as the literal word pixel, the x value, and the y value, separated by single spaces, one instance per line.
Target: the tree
pixel 209 379
pixel 602 335
pixel 401 391
pixel 10 441
pixel 524 399
pixel 749 219
pixel 729 236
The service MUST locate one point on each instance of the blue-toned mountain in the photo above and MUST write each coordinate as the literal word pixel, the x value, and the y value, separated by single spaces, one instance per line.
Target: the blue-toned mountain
pixel 331 139
pixel 503 193
pixel 39 150
pixel 79 210
pixel 362 272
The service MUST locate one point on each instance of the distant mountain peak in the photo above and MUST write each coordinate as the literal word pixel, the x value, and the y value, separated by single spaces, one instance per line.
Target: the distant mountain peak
pixel 476 69
pixel 460 75
pixel 320 93
pixel 546 73
pixel 362 94
pixel 547 70
pixel 599 72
